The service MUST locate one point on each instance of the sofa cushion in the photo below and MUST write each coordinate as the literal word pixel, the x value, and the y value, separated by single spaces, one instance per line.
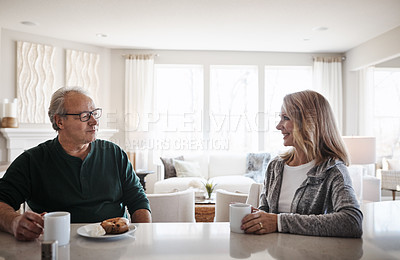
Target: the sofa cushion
pixel 222 164
pixel 391 164
pixel 187 169
pixel 233 183
pixel 169 168
pixel 201 158
pixel 178 184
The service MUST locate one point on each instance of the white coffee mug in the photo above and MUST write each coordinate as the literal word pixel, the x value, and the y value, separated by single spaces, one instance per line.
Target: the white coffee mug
pixel 57 227
pixel 237 212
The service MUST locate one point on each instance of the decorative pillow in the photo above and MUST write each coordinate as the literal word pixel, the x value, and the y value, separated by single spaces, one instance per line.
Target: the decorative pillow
pixel 187 169
pixel 257 161
pixel 256 164
pixel 392 164
pixel 257 176
pixel 169 168
pixel 385 164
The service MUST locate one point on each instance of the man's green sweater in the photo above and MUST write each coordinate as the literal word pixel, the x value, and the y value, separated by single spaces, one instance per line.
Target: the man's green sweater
pixel 92 190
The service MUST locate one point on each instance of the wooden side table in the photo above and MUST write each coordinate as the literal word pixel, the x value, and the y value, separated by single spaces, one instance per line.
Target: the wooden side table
pixel 142 175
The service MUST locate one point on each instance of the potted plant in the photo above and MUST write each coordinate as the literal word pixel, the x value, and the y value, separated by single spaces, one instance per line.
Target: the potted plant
pixel 210 186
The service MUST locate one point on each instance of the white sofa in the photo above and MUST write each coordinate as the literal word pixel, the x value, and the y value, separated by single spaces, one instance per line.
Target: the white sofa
pixel 226 170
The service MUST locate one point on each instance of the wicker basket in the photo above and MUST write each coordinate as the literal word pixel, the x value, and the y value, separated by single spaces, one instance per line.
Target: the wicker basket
pixel 205 212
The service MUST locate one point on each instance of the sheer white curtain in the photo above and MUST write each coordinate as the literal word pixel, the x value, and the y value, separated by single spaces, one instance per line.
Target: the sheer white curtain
pixel 139 106
pixel 327 80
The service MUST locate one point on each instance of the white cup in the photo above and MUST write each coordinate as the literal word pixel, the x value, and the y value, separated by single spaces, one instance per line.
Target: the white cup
pixel 237 212
pixel 57 227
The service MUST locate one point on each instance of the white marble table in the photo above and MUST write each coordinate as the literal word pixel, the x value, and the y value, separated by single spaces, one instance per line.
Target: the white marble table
pixel 175 241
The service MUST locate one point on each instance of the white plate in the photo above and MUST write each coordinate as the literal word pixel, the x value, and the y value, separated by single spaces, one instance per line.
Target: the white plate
pixel 84 231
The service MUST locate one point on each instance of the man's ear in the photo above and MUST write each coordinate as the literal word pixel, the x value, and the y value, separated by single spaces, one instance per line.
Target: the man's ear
pixel 59 121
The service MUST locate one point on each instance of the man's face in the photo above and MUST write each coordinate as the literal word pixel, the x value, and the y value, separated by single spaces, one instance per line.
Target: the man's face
pixel 73 129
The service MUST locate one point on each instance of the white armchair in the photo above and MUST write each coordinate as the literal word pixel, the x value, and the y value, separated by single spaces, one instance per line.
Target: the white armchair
pixel 172 207
pixel 390 175
pixel 356 175
pixel 367 188
pixel 222 200
pixel 254 194
pixel 391 181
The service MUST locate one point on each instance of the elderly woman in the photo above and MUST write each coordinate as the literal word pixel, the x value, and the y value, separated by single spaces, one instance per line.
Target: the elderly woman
pixel 308 190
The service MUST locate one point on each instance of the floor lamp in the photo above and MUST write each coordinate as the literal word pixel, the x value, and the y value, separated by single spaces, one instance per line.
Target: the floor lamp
pixel 362 149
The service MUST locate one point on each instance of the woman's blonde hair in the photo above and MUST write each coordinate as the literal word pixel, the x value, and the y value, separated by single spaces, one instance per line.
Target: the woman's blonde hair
pixel 315 129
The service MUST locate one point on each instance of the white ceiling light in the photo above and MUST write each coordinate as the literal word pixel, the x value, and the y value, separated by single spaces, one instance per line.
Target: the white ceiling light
pixel 29 23
pixel 320 28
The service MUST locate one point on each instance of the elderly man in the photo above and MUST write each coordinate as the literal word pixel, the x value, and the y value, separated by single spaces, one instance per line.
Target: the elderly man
pixel 92 179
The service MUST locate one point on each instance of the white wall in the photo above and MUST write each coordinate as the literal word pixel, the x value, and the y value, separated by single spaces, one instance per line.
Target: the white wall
pixel 394 63
pixel 8 59
pixel 380 49
pixel 8 67
pixel 383 48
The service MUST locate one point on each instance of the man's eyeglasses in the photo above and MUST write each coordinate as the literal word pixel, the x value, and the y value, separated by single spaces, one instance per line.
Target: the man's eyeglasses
pixel 85 116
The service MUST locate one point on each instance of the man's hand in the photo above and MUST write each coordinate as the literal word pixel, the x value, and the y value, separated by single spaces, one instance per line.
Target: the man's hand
pixel 27 226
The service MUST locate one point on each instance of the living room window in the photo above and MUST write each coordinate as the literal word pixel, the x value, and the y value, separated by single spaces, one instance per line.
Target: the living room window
pixel 386 113
pixel 224 113
pixel 234 106
pixel 179 105
pixel 279 81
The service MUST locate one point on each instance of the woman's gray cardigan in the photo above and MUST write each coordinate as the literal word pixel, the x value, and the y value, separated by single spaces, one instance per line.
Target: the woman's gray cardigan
pixel 325 204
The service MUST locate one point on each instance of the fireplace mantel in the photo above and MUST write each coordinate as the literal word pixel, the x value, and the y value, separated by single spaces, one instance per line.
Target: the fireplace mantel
pixel 22 138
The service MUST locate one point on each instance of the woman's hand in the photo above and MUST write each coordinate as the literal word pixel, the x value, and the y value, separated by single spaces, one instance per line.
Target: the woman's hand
pixel 260 222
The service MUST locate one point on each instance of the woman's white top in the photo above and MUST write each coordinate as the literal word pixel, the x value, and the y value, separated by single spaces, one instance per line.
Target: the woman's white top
pixel 293 177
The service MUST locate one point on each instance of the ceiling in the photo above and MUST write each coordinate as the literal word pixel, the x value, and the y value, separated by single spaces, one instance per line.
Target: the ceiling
pixel 233 25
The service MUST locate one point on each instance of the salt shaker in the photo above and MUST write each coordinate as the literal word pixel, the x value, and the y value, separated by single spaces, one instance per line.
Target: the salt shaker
pixel 50 250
